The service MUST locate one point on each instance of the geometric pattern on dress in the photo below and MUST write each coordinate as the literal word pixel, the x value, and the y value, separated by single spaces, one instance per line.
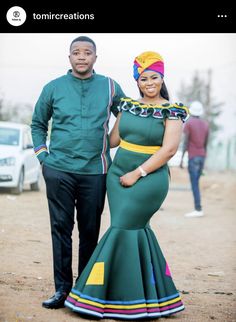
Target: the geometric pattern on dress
pixel 168 270
pixel 96 276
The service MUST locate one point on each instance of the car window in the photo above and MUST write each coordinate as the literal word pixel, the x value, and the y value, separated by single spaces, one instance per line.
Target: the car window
pixel 9 136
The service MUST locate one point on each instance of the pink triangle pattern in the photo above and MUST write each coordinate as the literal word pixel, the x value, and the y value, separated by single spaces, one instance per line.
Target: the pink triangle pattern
pixel 168 270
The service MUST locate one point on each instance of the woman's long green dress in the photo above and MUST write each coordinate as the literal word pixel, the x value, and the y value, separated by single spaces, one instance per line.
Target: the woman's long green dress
pixel 127 276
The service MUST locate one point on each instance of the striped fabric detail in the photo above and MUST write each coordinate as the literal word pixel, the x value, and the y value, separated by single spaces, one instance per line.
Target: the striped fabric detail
pixel 105 126
pixel 124 309
pixel 39 149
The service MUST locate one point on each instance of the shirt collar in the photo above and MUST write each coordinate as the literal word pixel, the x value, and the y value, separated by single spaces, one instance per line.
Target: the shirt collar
pixel 81 79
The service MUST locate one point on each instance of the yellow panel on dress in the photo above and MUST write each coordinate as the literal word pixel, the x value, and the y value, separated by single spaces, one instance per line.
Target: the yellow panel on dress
pixel 96 276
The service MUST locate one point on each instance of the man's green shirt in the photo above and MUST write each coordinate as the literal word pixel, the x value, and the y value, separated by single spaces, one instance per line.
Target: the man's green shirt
pixel 80 111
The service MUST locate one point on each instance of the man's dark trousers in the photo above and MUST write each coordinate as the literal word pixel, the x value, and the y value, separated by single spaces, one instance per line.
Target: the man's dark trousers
pixel 67 192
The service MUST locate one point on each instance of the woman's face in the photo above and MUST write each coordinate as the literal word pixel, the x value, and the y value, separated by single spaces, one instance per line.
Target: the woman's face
pixel 150 83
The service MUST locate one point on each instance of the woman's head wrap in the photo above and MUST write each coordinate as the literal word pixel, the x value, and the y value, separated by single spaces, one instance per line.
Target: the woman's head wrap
pixel 148 60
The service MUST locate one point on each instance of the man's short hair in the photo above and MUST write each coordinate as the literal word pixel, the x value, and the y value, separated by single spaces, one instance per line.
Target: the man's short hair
pixel 84 38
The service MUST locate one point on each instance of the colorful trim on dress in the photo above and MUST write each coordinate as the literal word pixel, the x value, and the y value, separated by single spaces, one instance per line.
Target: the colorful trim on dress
pixel 147 149
pixel 39 149
pixel 167 110
pixel 138 309
pixel 105 126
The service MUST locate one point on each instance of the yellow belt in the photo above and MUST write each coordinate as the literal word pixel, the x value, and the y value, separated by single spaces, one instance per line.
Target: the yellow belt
pixel 147 149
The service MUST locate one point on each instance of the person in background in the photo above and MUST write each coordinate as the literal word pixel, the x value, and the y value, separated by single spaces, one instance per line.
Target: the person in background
pixel 196 132
pixel 79 104
pixel 127 276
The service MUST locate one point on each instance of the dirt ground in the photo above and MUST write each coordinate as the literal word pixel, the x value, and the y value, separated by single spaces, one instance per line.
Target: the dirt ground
pixel 200 251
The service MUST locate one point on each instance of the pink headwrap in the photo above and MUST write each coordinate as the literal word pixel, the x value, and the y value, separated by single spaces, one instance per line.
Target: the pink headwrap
pixel 148 60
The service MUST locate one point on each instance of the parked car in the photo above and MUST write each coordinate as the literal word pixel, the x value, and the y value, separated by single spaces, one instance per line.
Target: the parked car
pixel 18 163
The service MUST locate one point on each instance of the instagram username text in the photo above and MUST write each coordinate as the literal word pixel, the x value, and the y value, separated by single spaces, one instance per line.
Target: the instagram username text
pixel 63 16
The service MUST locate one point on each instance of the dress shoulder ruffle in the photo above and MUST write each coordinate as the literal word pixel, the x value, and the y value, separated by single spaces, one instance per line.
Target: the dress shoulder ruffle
pixel 167 110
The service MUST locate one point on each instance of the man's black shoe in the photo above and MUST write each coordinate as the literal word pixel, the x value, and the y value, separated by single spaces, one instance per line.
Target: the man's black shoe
pixel 56 301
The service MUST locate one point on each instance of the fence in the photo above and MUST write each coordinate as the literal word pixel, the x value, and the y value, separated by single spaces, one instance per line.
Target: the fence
pixel 222 155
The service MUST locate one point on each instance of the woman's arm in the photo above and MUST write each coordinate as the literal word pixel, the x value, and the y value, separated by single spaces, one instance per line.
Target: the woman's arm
pixel 114 135
pixel 171 140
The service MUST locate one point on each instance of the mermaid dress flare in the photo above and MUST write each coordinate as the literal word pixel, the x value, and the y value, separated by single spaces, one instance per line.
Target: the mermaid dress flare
pixel 127 276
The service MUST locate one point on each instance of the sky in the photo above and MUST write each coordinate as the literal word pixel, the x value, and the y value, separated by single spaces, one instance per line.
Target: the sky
pixel 30 60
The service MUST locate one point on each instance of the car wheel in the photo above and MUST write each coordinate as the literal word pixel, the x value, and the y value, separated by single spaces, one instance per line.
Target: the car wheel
pixel 35 186
pixel 18 190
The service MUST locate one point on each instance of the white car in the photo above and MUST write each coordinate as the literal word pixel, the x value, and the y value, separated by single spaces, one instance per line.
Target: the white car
pixel 18 163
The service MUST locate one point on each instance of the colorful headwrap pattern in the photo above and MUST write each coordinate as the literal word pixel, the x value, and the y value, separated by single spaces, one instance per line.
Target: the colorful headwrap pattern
pixel 149 60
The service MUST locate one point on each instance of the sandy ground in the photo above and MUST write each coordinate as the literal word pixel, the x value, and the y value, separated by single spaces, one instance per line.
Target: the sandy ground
pixel 200 252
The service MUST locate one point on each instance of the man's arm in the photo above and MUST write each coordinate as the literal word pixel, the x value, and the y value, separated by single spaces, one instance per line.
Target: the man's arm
pixel 185 147
pixel 206 140
pixel 39 126
pixel 117 95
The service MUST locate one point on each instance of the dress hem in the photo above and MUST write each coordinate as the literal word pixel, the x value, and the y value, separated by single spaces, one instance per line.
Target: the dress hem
pixel 138 309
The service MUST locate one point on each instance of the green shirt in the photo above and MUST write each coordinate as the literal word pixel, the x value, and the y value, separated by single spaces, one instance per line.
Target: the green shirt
pixel 80 111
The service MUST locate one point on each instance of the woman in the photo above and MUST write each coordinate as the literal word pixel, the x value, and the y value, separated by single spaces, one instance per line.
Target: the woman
pixel 127 276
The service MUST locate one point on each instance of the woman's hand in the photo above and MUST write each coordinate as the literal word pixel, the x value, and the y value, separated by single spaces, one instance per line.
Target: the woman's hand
pixel 130 178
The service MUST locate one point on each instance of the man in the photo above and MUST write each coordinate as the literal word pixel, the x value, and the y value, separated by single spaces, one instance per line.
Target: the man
pixel 74 170
pixel 196 132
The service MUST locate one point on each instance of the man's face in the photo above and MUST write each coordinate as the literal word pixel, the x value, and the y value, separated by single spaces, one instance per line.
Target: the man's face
pixel 82 58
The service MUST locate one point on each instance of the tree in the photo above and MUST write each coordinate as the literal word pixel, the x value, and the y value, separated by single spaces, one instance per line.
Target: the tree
pixel 19 112
pixel 200 89
pixel 1 107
